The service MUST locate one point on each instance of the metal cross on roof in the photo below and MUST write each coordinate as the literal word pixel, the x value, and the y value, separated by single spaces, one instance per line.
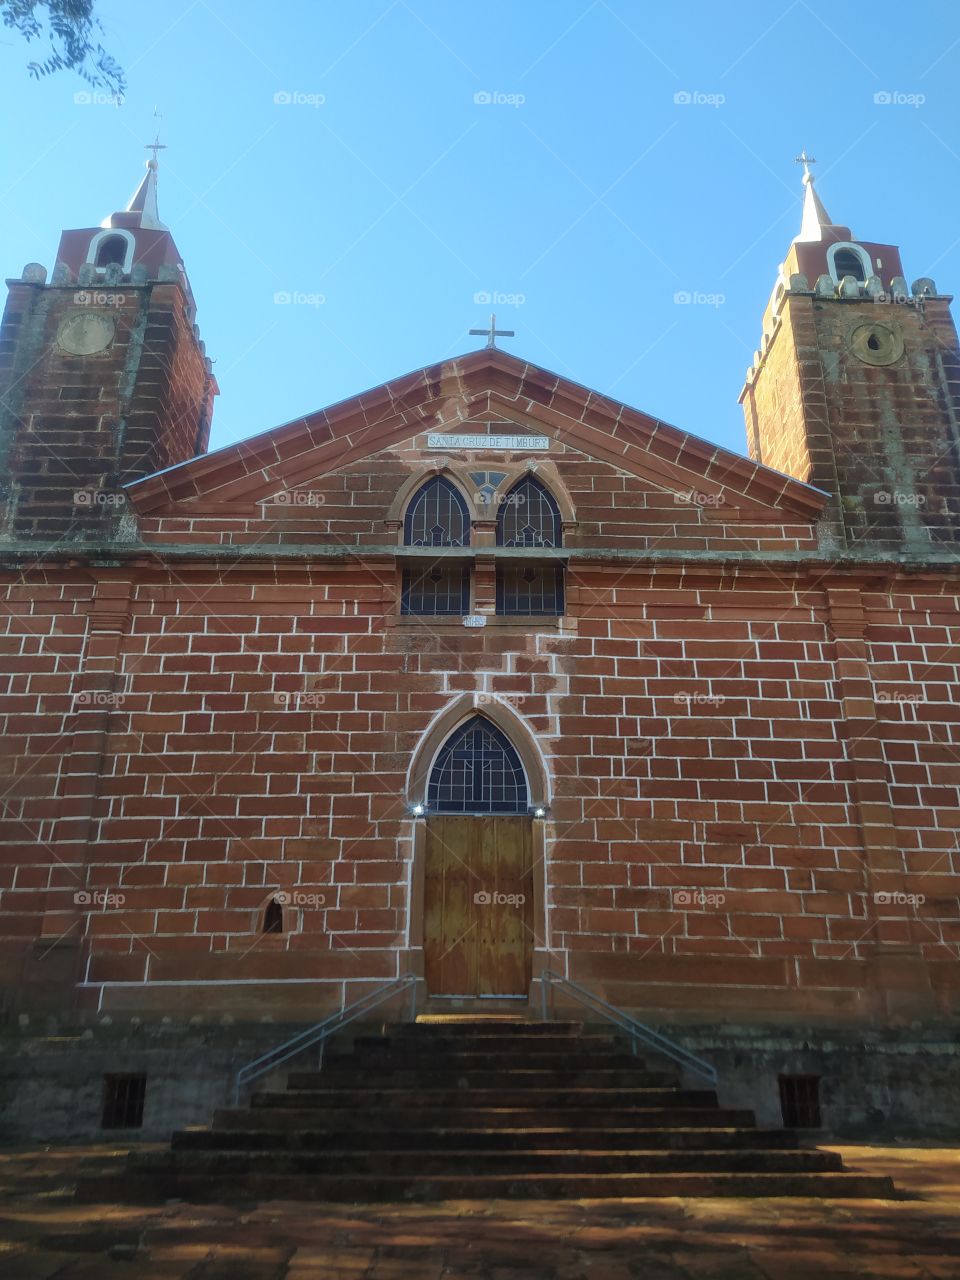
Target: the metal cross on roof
pixel 493 333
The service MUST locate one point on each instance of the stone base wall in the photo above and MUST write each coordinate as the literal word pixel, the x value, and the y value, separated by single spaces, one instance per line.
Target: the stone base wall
pixel 874 1084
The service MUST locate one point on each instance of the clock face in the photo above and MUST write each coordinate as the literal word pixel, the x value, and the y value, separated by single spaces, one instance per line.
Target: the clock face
pixel 875 343
pixel 86 333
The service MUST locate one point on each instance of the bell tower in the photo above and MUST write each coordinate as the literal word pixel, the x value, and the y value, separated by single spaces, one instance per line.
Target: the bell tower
pixel 856 388
pixel 103 376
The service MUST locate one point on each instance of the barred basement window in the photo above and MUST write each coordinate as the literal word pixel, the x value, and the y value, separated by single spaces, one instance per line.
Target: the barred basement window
pixel 477 771
pixel 523 590
pixel 437 590
pixel 436 517
pixel 800 1102
pixel 273 917
pixel 123 1099
pixel 529 517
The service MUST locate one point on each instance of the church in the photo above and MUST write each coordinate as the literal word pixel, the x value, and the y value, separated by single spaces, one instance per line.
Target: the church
pixel 483 683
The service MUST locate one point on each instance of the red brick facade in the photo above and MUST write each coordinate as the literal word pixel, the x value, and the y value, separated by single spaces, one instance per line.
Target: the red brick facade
pixel 744 729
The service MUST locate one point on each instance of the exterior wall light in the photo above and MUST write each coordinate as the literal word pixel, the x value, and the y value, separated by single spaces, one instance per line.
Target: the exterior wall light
pixel 539 811
pixel 419 810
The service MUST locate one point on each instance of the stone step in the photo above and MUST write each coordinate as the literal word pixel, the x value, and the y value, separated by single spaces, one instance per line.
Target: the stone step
pixel 479 1110
pixel 228 1164
pixel 378 1077
pixel 494 1060
pixel 535 1094
pixel 560 1138
pixel 462 1028
pixel 365 1189
pixel 470 1116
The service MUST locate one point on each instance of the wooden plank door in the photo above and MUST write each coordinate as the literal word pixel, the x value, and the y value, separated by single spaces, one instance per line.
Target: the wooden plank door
pixel 478 905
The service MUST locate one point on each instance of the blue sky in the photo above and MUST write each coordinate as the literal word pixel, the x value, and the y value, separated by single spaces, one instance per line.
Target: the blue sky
pixel 385 197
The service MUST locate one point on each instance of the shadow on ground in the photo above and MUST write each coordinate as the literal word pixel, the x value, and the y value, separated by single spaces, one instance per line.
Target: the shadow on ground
pixel 46 1235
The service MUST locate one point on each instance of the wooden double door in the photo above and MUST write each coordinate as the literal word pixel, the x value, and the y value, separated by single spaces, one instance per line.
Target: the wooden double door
pixel 478 905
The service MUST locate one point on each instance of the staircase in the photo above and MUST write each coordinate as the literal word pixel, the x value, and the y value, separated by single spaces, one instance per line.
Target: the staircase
pixel 482 1109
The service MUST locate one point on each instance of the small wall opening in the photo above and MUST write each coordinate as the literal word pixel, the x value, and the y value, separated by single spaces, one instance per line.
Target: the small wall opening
pixel 800 1101
pixel 273 917
pixel 123 1099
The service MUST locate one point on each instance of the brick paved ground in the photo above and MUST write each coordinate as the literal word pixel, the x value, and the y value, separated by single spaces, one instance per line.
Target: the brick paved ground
pixel 44 1235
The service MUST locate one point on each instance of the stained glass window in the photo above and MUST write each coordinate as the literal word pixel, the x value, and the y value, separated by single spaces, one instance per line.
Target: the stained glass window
pixel 529 517
pixel 529 589
pixel 477 771
pixel 437 517
pixel 436 589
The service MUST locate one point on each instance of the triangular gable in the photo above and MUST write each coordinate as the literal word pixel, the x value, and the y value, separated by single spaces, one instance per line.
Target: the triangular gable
pixel 443 397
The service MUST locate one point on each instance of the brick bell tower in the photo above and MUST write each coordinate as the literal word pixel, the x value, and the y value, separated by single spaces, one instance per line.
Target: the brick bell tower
pixel 103 377
pixel 856 389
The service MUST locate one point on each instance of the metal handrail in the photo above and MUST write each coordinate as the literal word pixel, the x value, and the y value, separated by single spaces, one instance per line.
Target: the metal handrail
pixel 322 1031
pixel 637 1031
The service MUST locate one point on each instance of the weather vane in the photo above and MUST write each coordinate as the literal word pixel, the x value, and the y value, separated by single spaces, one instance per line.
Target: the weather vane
pixel 806 161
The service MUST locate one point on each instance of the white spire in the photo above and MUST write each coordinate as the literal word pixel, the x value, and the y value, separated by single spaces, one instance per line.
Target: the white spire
pixel 815 217
pixel 143 203
pixel 144 200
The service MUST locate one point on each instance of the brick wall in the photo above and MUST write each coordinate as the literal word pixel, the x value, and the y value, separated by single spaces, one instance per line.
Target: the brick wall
pixel 256 724
pixel 743 811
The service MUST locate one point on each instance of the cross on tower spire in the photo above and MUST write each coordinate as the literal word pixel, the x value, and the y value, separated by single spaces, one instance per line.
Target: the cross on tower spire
pixel 156 145
pixel 493 333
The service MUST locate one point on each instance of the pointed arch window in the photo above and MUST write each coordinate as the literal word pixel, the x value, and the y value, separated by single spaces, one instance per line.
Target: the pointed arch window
pixel 477 770
pixel 529 517
pixel 437 516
